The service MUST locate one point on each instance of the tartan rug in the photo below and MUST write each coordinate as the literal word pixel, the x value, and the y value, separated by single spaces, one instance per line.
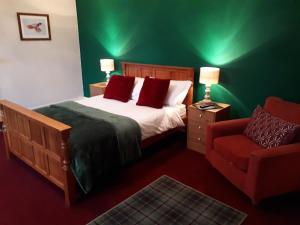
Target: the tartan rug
pixel 169 202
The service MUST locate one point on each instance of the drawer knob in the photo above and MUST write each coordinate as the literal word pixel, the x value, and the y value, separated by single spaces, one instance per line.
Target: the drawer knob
pixel 200 115
pixel 199 127
pixel 199 139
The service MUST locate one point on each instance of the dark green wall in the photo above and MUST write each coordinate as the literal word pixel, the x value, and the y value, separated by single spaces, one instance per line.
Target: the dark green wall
pixel 256 43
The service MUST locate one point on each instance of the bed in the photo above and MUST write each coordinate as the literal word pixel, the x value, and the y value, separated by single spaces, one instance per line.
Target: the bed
pixel 42 142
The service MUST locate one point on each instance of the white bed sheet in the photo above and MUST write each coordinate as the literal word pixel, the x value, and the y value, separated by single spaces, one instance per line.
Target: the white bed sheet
pixel 151 121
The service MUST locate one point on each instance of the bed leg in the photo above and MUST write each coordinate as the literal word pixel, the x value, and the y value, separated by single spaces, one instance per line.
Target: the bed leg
pixel 6 146
pixel 3 128
pixel 71 193
pixel 70 189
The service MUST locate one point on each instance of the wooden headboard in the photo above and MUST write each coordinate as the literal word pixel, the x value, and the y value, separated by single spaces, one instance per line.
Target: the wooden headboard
pixel 162 72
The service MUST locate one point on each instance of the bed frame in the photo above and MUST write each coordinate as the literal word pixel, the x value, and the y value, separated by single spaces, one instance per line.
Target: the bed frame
pixel 42 142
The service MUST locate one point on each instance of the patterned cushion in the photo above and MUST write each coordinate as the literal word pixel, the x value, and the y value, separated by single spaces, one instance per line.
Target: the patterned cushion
pixel 270 131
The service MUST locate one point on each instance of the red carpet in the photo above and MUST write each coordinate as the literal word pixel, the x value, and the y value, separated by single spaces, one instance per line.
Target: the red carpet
pixel 27 198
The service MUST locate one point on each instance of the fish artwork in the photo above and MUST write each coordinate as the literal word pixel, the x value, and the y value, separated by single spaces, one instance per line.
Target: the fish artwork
pixel 35 26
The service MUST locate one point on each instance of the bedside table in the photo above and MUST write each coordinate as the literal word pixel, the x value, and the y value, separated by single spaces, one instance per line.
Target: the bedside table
pixel 198 121
pixel 97 88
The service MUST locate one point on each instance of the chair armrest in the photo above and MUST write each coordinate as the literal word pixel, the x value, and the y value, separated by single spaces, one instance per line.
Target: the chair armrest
pixel 274 171
pixel 224 128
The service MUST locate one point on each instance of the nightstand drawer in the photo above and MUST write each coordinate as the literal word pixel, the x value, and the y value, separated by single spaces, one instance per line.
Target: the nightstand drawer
pixel 196 114
pixel 203 120
pixel 196 146
pixel 197 124
pixel 197 139
pixel 196 136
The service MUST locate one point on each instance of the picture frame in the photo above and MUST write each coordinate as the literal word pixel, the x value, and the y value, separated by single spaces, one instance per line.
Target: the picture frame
pixel 34 26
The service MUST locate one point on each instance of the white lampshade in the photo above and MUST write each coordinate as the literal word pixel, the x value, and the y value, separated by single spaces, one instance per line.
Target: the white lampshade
pixel 209 75
pixel 107 65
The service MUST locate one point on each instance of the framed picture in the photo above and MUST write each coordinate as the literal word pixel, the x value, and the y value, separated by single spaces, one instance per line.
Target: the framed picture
pixel 34 26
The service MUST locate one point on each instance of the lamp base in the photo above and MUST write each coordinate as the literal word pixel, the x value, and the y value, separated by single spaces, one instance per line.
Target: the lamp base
pixel 206 100
pixel 107 76
pixel 207 94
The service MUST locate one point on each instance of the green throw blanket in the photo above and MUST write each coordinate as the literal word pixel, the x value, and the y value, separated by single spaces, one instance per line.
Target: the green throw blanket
pixel 99 141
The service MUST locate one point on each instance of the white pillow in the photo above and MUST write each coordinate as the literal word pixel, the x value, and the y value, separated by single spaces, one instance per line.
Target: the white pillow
pixel 177 92
pixel 138 84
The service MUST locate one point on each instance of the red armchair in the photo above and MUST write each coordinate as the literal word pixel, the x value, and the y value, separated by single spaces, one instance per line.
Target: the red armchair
pixel 258 172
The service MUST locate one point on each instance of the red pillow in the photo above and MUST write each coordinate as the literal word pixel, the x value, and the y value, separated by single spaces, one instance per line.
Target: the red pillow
pixel 154 92
pixel 119 88
pixel 270 131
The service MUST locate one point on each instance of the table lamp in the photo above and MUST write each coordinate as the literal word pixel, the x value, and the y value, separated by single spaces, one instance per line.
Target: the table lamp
pixel 208 76
pixel 107 65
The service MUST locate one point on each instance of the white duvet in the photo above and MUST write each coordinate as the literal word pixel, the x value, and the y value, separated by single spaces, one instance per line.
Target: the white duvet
pixel 151 121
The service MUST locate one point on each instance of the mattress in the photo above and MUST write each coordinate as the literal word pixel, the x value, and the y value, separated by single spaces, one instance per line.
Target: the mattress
pixel 151 121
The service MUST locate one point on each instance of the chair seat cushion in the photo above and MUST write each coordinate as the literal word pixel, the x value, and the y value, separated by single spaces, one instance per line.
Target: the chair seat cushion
pixel 236 149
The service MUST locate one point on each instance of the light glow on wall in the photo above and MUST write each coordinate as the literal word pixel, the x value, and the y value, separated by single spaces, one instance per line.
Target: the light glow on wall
pixel 115 29
pixel 222 35
pixel 224 95
pixel 115 39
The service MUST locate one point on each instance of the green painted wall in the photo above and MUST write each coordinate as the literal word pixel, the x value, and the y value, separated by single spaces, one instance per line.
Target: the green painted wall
pixel 256 43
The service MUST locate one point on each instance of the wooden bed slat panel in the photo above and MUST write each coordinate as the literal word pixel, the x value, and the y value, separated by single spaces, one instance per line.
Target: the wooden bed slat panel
pixel 41 159
pixel 27 152
pixel 14 143
pixel 52 141
pixel 23 125
pixel 146 72
pixel 55 172
pixel 163 73
pixel 36 132
pixel 12 120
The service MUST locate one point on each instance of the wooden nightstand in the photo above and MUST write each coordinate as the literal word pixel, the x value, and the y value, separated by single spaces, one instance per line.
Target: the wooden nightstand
pixel 197 124
pixel 97 88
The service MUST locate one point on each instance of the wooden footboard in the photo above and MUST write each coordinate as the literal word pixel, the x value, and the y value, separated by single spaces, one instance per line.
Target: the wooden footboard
pixel 40 142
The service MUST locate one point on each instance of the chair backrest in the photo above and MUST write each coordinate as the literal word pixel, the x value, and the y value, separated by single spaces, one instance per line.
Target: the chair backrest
pixel 288 111
pixel 285 110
